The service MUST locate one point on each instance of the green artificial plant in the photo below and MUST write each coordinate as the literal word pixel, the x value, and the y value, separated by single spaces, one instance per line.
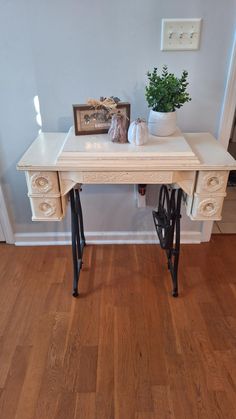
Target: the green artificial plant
pixel 166 93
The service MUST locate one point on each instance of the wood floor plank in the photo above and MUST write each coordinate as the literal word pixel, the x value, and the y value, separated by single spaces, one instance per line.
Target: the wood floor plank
pixel 14 382
pixel 36 364
pixel 87 372
pixel 85 407
pixel 144 415
pixel 51 383
pixel 219 328
pixel 222 406
pixel 12 333
pixel 195 378
pixel 208 362
pixel 141 359
pixel 125 349
pixel 227 368
pixel 163 407
pixel 105 362
pixel 124 367
pixel 66 406
pixel 84 325
pixel 14 276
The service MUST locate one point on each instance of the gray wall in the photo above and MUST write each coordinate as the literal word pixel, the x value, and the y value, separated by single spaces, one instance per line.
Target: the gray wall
pixel 68 51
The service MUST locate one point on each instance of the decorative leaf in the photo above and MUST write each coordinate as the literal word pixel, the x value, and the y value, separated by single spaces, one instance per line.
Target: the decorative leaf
pixel 166 93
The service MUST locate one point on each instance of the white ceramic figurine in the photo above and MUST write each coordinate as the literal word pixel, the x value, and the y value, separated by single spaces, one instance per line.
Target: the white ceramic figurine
pixel 138 132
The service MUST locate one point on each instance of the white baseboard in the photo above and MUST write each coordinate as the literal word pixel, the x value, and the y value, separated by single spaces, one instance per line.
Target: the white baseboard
pixel 98 237
pixel 5 221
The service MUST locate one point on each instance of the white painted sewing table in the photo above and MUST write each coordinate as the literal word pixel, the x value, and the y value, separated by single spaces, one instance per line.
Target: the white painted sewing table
pixel 56 164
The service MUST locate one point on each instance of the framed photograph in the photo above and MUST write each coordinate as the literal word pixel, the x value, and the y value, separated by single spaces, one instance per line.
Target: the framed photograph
pixel 89 120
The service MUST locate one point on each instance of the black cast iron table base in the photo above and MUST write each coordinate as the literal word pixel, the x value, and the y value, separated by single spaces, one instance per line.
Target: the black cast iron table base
pixel 78 238
pixel 167 223
pixel 166 220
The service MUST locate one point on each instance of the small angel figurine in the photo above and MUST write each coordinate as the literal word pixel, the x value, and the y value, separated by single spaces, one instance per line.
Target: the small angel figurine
pixel 117 130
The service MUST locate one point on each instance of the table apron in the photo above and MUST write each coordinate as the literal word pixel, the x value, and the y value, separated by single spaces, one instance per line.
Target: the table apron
pixel 185 179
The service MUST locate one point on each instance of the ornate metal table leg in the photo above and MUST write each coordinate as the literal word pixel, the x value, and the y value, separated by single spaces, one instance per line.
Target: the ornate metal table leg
pixel 78 238
pixel 167 223
pixel 80 214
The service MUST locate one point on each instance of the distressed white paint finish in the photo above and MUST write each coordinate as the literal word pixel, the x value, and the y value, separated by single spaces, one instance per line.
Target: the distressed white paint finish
pixel 45 150
pixel 38 75
pixel 48 208
pixel 100 146
pixel 186 180
pixel 207 207
pixel 212 181
pixel 42 182
pixel 95 160
pixel 111 177
pixel 98 151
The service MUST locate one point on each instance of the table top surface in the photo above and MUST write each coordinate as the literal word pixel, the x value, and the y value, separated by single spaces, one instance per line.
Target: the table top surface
pixel 63 152
pixel 100 146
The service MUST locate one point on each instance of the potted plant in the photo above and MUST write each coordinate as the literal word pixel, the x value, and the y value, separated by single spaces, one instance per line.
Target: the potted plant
pixel 164 95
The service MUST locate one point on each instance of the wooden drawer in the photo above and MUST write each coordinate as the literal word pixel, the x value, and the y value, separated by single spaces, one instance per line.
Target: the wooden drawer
pixel 116 177
pixel 42 183
pixel 48 208
pixel 206 207
pixel 212 181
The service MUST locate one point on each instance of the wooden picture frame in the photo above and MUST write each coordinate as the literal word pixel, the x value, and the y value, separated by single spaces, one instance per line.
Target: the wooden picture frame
pixel 89 120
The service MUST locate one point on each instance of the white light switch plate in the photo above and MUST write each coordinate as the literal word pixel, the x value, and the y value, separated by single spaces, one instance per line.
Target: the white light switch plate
pixel 180 34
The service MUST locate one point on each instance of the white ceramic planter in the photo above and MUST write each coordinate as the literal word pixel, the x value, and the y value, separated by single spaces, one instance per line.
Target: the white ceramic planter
pixel 162 124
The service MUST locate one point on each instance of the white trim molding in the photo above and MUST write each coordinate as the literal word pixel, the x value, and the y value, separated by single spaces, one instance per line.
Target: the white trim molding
pixel 98 237
pixel 207 227
pixel 226 122
pixel 5 222
pixel 229 102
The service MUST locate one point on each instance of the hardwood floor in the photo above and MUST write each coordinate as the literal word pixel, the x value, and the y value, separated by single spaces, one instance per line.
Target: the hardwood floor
pixel 125 349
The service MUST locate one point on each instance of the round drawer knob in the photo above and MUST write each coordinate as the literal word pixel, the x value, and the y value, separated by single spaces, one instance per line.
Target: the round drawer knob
pixel 208 207
pixel 48 208
pixel 213 181
pixel 41 183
